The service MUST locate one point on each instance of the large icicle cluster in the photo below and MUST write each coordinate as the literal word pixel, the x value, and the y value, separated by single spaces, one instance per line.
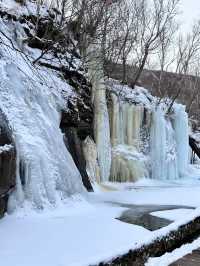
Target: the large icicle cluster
pixel 145 141
pixel 128 164
pixel 31 100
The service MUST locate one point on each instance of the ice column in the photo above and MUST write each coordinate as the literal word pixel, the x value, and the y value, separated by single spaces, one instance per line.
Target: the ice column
pixel 158 144
pixel 182 138
pixel 101 117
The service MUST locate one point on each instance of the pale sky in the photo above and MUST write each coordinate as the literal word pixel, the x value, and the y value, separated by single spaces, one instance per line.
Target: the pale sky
pixel 191 11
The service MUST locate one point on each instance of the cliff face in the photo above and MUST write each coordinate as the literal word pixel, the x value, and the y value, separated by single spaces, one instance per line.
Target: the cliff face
pixel 77 123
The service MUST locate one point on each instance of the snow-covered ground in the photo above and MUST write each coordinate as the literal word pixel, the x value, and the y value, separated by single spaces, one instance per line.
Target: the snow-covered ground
pixel 76 234
pixel 184 192
pixel 84 232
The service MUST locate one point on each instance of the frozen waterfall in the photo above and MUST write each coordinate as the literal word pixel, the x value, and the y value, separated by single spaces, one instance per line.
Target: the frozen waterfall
pixel 45 169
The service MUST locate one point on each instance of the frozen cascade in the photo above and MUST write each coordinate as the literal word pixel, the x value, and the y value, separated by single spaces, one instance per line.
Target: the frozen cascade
pixel 45 169
pixel 181 134
pixel 128 164
pixel 163 147
pixel 101 117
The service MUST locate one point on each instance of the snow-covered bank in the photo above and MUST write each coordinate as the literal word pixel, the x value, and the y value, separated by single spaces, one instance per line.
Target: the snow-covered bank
pixel 76 234
pixel 173 256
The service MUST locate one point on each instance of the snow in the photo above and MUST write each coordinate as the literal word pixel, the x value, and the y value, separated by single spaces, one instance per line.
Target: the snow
pixel 173 215
pixel 85 232
pixel 17 9
pixel 175 255
pixel 139 95
pixel 77 234
pixel 161 192
pixel 6 147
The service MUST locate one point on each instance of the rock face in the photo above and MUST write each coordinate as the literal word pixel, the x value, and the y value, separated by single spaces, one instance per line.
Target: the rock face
pixel 7 163
pixel 75 147
pixel 77 124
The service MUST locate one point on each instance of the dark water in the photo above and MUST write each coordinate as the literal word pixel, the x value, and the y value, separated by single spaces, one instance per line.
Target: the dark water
pixel 140 215
pixel 147 221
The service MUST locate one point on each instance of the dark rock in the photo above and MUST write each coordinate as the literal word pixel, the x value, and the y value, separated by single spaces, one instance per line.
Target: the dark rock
pixel 74 146
pixel 7 163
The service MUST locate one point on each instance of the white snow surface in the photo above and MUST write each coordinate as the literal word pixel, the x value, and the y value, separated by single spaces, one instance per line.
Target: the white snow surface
pixel 75 234
pixel 6 147
pixel 17 9
pixel 139 95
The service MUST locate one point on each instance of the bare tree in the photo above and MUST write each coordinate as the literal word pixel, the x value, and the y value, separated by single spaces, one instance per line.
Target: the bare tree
pixel 155 21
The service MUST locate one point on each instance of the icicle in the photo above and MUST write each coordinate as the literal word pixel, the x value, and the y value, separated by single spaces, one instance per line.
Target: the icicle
pixel 126 120
pixel 158 145
pixel 90 153
pixel 182 138
pixel 171 153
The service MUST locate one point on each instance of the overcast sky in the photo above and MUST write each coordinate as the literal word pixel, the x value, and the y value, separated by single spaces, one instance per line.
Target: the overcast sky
pixel 191 11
